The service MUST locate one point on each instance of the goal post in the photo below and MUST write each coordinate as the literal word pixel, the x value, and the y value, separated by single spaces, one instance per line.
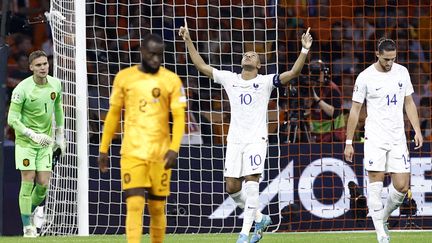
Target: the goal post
pixel 82 118
pixel 67 202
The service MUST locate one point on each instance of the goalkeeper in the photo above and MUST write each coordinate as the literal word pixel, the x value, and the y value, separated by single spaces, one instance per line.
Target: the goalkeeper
pixel 249 94
pixel 34 100
pixel 147 92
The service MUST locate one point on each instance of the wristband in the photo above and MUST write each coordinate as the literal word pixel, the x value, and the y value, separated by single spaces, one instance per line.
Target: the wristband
pixel 304 50
pixel 348 142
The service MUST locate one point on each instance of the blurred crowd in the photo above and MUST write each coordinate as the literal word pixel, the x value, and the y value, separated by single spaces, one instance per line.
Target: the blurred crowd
pixel 345 36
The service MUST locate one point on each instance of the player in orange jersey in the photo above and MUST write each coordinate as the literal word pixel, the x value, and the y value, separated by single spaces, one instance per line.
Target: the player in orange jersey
pixel 147 92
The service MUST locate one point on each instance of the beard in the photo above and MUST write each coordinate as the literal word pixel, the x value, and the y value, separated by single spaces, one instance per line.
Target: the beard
pixel 147 68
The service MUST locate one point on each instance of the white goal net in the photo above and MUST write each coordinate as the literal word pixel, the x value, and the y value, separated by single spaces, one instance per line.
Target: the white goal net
pixel 113 30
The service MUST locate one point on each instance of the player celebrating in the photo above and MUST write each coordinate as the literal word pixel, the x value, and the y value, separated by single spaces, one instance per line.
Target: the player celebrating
pixel 249 94
pixel 147 92
pixel 34 100
pixel 387 88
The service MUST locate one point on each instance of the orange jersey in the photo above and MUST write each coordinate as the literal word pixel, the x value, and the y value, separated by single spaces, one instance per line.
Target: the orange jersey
pixel 147 100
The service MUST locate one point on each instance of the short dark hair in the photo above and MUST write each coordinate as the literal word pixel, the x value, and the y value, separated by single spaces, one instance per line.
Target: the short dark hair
pixel 385 44
pixel 152 37
pixel 36 54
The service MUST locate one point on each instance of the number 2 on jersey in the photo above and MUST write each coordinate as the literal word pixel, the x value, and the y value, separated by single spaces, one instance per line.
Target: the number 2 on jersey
pixel 392 100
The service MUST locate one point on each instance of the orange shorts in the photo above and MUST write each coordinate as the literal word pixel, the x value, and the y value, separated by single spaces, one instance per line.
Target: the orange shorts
pixel 138 173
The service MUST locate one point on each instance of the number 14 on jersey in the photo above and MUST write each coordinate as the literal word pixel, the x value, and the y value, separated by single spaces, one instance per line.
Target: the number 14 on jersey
pixel 391 100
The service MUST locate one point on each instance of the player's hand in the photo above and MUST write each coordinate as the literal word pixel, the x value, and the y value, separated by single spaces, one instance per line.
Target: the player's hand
pixel 56 156
pixel 184 32
pixel 60 140
pixel 349 152
pixel 418 139
pixel 170 159
pixel 306 39
pixel 103 162
pixel 39 138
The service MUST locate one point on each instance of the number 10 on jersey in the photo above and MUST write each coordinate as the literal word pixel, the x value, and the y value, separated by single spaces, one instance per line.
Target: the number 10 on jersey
pixel 245 99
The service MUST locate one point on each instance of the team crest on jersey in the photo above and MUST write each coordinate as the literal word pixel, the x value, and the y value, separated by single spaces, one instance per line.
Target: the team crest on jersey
pixel 255 85
pixel 400 85
pixel 156 92
pixel 53 95
pixel 26 162
pixel 127 178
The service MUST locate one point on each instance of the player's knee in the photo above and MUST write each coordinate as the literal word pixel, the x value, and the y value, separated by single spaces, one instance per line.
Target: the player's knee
pixel 402 188
pixel 232 188
pixel 135 203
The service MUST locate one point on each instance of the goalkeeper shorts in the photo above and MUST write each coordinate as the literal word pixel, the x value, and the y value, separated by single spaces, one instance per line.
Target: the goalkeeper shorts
pixel 138 173
pixel 28 158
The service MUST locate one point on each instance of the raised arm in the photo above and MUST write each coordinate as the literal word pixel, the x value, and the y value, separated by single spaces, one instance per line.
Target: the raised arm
pixel 286 76
pixel 195 56
pixel 411 111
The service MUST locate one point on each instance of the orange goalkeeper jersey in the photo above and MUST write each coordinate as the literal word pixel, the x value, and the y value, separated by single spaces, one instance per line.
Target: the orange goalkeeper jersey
pixel 147 100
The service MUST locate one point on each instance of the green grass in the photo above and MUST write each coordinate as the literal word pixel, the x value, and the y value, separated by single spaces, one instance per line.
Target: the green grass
pixel 348 237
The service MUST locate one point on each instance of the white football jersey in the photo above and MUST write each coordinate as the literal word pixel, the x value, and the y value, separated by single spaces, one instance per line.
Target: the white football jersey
pixel 385 95
pixel 248 100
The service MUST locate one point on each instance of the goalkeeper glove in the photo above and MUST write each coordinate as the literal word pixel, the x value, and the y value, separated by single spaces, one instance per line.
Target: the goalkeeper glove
pixel 39 138
pixel 56 156
pixel 60 141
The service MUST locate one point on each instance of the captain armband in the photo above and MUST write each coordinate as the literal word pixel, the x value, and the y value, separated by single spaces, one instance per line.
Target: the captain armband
pixel 276 81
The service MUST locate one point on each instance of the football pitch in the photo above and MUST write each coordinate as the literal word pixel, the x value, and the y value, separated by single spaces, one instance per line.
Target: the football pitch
pixel 350 237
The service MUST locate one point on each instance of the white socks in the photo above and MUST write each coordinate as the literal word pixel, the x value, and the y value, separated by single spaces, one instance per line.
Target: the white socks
pixel 394 200
pixel 374 198
pixel 239 198
pixel 376 208
pixel 251 189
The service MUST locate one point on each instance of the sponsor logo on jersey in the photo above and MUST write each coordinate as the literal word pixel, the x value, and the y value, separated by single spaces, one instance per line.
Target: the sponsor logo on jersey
pixel 127 178
pixel 26 162
pixel 156 92
pixel 370 162
pixel 53 95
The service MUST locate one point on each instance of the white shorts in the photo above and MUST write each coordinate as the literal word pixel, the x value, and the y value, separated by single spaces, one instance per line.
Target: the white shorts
pixel 386 157
pixel 244 159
